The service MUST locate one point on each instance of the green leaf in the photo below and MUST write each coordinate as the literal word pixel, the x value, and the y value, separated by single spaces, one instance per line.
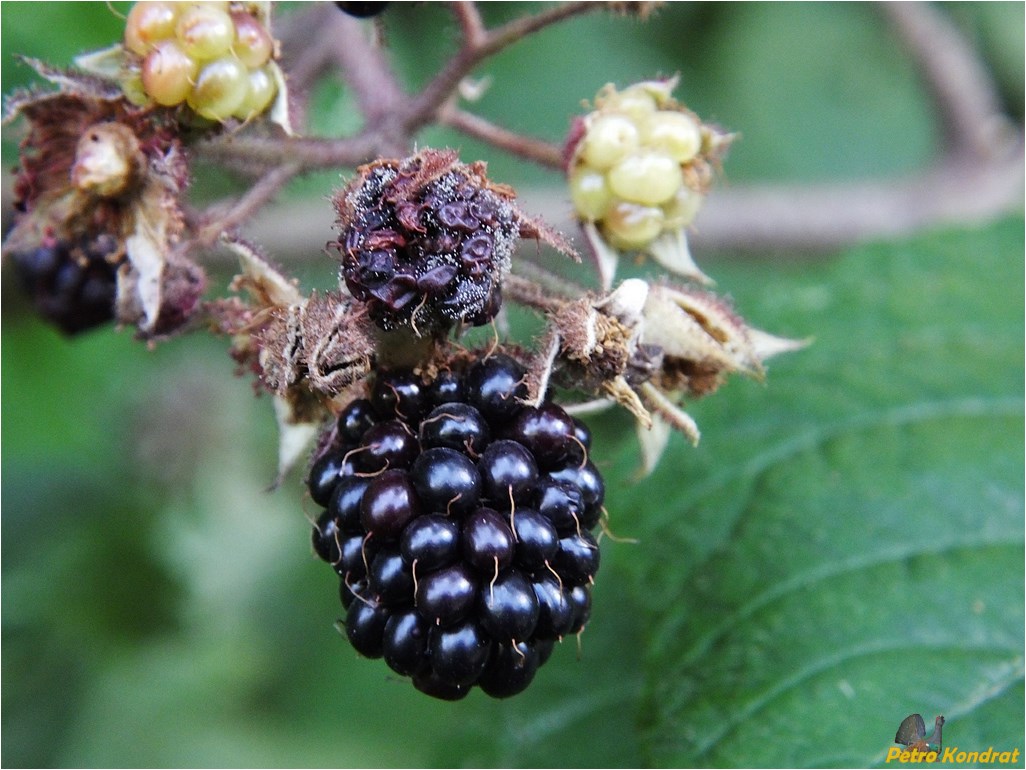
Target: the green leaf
pixel 846 546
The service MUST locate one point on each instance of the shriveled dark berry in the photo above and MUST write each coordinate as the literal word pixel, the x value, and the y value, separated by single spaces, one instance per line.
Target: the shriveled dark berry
pixel 446 481
pixel 459 653
pixel 456 426
pixel 73 285
pixel 430 542
pixel 389 503
pixel 425 241
pixel 510 670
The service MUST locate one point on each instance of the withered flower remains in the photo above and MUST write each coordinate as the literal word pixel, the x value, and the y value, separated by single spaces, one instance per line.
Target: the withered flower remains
pixel 97 211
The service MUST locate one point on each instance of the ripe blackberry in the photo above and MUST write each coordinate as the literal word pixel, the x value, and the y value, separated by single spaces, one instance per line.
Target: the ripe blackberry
pixel 74 285
pixel 458 521
pixel 426 241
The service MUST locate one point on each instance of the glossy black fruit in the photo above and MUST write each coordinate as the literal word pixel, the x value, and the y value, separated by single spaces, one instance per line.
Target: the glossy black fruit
pixel 458 522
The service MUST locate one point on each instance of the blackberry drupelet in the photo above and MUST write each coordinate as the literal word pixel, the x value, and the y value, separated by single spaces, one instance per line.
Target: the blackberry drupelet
pixel 459 529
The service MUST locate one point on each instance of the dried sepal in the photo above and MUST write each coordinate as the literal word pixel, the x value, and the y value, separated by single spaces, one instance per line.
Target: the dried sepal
pixel 648 347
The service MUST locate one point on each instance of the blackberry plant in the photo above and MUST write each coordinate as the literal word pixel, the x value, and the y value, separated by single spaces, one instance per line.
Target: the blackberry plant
pixel 460 500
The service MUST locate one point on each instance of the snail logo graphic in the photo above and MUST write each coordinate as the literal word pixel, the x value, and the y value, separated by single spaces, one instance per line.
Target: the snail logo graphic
pixel 912 733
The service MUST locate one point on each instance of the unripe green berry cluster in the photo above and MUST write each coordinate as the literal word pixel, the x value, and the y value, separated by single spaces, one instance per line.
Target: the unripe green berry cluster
pixel 631 164
pixel 217 57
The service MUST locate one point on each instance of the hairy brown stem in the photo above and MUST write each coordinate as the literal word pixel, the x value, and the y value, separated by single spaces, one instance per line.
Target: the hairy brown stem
pixel 261 193
pixel 962 90
pixel 526 292
pixel 537 150
pixel 425 105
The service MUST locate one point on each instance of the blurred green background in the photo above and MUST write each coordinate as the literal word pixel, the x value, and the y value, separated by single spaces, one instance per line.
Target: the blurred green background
pixel 845 546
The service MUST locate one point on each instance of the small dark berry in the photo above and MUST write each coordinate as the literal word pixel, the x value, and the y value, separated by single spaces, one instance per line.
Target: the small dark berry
pixel 508 607
pixel 389 503
pixel 354 421
pixel 429 543
pixel 456 426
pixel 496 386
pixel 430 684
pixel 385 445
pixel 325 474
pixel 404 644
pixel 510 670
pixel 390 579
pixel 580 600
pixel 507 470
pixel 345 503
pixel 459 653
pixel 447 595
pixel 555 613
pixel 446 481
pixel 577 558
pixel 399 395
pixel 487 542
pixel 365 626
pixel 536 538
pixel 546 431
pixel 562 504
pixel 326 538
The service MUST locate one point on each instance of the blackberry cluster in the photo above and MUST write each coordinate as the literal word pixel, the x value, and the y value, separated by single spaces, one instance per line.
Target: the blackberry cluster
pixel 425 248
pixel 73 285
pixel 459 523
